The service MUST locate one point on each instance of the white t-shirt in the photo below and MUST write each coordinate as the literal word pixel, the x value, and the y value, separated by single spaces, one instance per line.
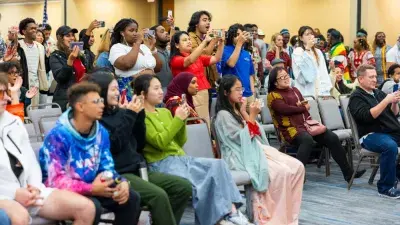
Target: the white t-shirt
pixel 393 55
pixel 32 59
pixel 144 61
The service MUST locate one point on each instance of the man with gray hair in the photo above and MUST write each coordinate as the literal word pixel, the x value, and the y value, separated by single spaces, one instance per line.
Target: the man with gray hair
pixel 375 115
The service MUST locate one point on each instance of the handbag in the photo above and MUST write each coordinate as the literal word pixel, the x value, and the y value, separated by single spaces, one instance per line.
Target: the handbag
pixel 313 127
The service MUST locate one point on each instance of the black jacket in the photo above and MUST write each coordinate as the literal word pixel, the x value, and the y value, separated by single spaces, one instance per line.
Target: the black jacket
pixel 64 75
pixel 127 136
pixel 89 55
pixel 360 104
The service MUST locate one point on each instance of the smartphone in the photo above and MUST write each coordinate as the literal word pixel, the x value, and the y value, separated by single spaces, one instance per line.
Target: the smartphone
pixel 102 23
pixel 395 87
pixel 183 99
pixel 169 13
pixel 123 95
pixel 261 101
pixel 150 33
pixel 217 32
pixel 79 44
pixel 304 102
pixel 316 40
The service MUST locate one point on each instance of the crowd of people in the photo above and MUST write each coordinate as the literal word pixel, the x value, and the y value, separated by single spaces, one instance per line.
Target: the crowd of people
pixel 125 109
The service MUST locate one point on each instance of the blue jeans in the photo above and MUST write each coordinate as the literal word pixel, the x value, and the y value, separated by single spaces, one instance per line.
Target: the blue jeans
pixel 387 146
pixel 4 220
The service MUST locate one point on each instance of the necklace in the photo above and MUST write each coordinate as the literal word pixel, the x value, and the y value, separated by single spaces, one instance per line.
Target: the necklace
pixel 29 45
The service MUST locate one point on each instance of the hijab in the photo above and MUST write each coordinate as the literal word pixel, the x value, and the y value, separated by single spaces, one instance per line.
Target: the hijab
pixel 178 86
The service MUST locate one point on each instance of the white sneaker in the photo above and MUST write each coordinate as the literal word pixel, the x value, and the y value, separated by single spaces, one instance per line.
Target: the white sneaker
pixel 238 219
pixel 224 222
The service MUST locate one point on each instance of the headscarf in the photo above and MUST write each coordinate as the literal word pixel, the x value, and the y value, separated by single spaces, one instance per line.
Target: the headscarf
pixel 178 86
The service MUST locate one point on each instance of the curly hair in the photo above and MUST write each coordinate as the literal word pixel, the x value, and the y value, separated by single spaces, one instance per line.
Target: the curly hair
pixel 195 20
pixel 24 23
pixel 116 36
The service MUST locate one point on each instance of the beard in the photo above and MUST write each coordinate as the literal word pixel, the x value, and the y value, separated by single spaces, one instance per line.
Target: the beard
pixel 162 43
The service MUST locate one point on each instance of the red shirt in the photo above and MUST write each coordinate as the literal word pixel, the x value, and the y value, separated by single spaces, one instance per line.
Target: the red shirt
pixel 197 68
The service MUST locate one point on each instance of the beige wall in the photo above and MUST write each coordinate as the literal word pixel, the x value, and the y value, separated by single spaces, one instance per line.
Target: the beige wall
pixel 81 13
pixel 273 15
pixel 381 15
pixel 13 14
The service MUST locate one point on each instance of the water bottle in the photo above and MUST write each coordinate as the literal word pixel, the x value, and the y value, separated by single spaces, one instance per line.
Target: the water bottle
pixel 143 171
pixel 106 176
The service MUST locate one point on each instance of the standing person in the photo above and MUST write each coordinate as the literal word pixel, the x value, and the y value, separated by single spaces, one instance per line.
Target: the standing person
pixel 294 42
pixel 375 114
pixel 216 197
pixel 51 44
pixel 277 51
pixel 132 54
pixel 361 55
pixel 338 53
pixel 185 59
pixel 339 86
pixel 309 66
pixel 3 47
pixel 165 195
pixel 11 53
pixel 276 177
pixel 67 65
pixel 103 51
pixel 76 157
pixel 237 61
pixel 199 26
pixel 379 50
pixel 286 38
pixel 393 55
pixel 22 193
pixel 87 37
pixel 32 61
pixel 162 40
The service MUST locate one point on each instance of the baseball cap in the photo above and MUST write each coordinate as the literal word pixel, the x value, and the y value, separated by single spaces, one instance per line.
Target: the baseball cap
pixel 64 30
pixel 284 31
pixel 276 61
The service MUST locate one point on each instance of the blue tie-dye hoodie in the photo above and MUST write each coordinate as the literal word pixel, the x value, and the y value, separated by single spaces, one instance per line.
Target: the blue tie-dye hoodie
pixel 70 161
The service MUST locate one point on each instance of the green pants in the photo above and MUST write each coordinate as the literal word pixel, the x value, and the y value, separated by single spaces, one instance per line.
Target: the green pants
pixel 166 196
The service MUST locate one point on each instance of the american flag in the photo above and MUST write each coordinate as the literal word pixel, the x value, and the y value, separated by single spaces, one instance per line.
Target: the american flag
pixel 45 17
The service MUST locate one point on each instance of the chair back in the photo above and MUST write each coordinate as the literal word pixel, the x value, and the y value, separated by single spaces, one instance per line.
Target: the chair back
pixel 330 114
pixel 314 110
pixel 344 103
pixel 266 117
pixel 46 123
pixel 214 134
pixel 198 142
pixel 39 111
pixel 36 148
pixel 354 130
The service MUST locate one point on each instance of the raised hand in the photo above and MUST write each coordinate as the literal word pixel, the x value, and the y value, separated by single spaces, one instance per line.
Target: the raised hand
pixel 32 92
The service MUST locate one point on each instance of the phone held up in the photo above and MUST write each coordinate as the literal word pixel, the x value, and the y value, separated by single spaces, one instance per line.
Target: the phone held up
pixel 123 96
pixel 102 23
pixel 78 43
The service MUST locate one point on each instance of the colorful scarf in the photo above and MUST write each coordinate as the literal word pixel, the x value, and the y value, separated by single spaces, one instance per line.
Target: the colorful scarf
pixel 383 61
pixel 337 50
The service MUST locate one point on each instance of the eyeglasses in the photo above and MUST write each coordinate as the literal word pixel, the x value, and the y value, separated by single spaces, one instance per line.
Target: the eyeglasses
pixel 97 101
pixel 283 77
pixel 14 73
pixel 241 89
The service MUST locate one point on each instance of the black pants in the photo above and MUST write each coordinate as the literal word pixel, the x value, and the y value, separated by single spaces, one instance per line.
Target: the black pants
pixel 304 143
pixel 125 214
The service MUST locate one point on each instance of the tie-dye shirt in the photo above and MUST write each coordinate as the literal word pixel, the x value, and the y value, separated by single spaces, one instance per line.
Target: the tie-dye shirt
pixel 70 161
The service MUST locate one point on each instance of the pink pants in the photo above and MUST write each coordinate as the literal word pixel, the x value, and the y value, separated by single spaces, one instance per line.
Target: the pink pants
pixel 280 205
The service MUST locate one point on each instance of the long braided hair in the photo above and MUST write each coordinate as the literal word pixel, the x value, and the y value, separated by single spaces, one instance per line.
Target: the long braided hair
pixel 116 36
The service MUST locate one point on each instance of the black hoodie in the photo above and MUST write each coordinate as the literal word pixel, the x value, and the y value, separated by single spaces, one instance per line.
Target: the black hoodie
pixel 126 128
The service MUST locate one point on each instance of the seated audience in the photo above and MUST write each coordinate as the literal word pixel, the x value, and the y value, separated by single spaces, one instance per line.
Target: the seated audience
pixel 375 115
pixel 67 65
pixel 339 85
pixel 76 157
pixel 165 195
pixel 132 54
pixel 289 112
pixel 216 197
pixel 276 177
pixel 22 192
pixel 183 84
pixel 309 66
pixel 185 59
pixel 104 51
pixel 392 84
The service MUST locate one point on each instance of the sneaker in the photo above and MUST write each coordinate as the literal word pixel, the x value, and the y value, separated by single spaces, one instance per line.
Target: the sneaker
pixel 393 193
pixel 224 222
pixel 238 219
